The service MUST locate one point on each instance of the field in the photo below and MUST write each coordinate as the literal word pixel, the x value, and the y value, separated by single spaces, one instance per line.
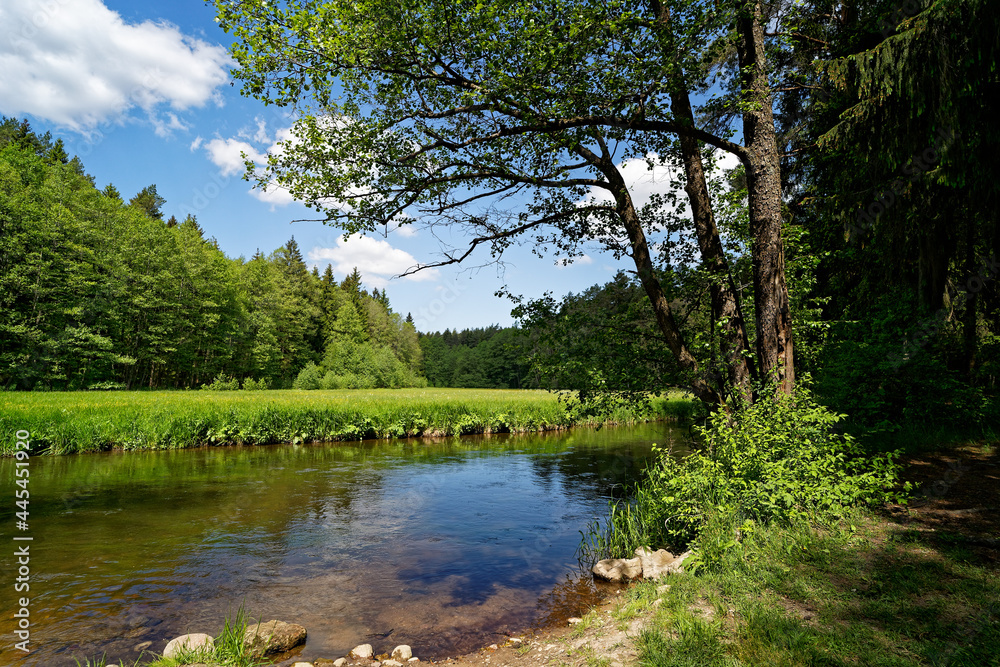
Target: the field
pixel 65 422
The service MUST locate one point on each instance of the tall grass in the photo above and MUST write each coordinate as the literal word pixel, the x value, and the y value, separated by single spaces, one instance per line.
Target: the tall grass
pixel 64 422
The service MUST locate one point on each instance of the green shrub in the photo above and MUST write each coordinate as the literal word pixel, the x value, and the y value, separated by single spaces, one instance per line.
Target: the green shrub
pixel 778 460
pixel 309 377
pixel 249 384
pixel 222 382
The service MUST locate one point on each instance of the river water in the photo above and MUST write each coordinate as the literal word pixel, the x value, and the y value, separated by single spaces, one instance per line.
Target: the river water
pixel 444 544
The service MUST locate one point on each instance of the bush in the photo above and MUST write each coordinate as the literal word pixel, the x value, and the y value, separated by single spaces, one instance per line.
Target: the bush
pixel 249 384
pixel 222 382
pixel 309 377
pixel 777 461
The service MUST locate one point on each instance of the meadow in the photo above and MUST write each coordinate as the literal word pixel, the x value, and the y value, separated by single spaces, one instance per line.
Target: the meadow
pixel 66 422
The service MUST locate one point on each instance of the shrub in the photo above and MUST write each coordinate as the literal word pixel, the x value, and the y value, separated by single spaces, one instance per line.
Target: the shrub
pixel 222 382
pixel 249 384
pixel 779 460
pixel 308 377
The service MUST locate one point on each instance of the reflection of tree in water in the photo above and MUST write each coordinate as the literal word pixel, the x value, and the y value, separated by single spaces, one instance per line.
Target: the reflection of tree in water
pixel 592 473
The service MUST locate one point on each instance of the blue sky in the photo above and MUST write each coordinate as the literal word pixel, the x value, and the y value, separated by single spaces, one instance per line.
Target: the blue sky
pixel 141 91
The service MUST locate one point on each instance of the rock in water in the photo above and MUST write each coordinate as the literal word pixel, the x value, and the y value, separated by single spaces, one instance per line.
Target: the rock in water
pixel 402 653
pixel 193 642
pixel 363 652
pixel 618 569
pixel 272 637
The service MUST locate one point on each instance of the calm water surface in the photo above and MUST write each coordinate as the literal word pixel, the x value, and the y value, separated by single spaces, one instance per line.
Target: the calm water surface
pixel 444 543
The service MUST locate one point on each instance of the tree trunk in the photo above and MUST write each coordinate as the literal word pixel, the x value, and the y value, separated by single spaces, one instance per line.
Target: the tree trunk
pixel 647 276
pixel 774 323
pixel 732 339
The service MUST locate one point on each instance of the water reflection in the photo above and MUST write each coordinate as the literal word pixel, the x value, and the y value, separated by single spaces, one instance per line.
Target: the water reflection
pixel 444 543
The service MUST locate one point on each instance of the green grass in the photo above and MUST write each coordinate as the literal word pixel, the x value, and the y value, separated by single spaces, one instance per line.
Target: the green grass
pixel 229 650
pixel 65 422
pixel 865 591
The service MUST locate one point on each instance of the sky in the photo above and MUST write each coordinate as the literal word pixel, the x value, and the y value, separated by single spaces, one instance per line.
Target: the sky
pixel 142 93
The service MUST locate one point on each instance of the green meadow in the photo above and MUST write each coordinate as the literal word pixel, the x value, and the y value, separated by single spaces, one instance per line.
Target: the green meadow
pixel 66 422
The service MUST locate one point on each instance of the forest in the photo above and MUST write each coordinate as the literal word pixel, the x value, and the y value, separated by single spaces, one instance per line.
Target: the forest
pixel 101 293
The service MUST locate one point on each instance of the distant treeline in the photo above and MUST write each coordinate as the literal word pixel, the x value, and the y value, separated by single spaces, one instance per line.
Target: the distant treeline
pixel 99 292
pixel 491 358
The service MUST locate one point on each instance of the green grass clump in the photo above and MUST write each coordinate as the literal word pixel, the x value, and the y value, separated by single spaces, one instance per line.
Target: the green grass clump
pixel 64 422
pixel 229 650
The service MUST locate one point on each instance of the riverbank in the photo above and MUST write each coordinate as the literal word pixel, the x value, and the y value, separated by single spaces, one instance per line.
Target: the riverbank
pixel 904 585
pixel 68 422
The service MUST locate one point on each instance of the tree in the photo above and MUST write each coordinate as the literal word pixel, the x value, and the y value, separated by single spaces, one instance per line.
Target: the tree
pixel 446 112
pixel 149 202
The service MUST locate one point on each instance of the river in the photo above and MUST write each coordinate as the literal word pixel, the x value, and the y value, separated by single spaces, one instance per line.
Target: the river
pixel 447 543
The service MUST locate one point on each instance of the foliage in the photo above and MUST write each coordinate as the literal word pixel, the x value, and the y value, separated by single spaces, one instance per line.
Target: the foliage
pixel 776 461
pixel 222 382
pixel 490 358
pixel 97 293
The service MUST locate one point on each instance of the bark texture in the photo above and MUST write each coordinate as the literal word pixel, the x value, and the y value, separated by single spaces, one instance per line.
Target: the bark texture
pixel 774 323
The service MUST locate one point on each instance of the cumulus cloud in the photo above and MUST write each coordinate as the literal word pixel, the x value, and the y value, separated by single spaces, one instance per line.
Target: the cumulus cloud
pixel 78 64
pixel 377 260
pixel 227 155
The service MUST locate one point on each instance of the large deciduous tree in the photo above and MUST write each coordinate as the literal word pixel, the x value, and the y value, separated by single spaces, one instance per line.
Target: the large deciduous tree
pixel 505 117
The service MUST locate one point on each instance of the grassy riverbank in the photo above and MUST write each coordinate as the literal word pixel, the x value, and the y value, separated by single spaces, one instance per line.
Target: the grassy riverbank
pixel 65 422
pixel 895 586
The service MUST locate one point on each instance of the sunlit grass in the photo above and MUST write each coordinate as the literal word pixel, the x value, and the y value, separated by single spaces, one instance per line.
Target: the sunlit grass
pixel 63 422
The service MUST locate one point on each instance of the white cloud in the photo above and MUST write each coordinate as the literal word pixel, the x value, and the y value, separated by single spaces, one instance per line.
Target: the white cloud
pixel 77 63
pixel 377 260
pixel 275 195
pixel 196 144
pixel 227 155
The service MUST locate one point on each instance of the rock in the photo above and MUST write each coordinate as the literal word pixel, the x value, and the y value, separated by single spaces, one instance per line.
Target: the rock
pixel 402 653
pixel 618 569
pixel 323 662
pixel 575 621
pixel 677 566
pixel 363 652
pixel 272 637
pixel 413 660
pixel 196 641
pixel 391 663
pixel 302 664
pixel 655 564
pixel 340 662
pixel 142 647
